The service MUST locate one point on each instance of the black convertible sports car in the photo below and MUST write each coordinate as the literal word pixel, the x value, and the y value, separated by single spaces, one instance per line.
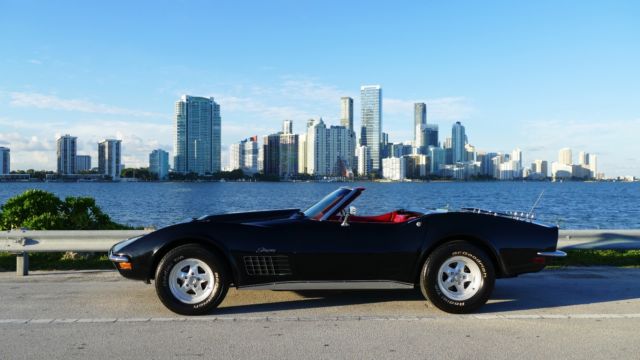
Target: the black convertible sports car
pixel 454 257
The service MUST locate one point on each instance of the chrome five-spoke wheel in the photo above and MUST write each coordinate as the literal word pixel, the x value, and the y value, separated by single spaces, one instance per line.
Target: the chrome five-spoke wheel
pixel 459 278
pixel 191 281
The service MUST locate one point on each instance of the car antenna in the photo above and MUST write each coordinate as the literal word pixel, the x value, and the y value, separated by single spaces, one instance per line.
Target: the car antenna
pixel 535 204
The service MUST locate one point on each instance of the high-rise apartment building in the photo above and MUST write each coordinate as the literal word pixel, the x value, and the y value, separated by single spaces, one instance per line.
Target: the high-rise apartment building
pixel 287 127
pixel 540 168
pixel 516 158
pixel 340 145
pixel 197 141
pixel 288 162
pixel 328 151
pixel 66 152
pixel 416 166
pixel 583 159
pixel 458 142
pixel 371 120
pixel 271 155
pixel 251 153
pixel 438 159
pixel 364 163
pixel 261 159
pixel 431 136
pixel 159 164
pixel 593 166
pixel 346 112
pixel 516 155
pixel 5 160
pixel 317 159
pixel 486 164
pixel 109 158
pixel 83 163
pixel 565 156
pixel 235 156
pixel 244 155
pixel 302 154
pixel 346 120
pixel 394 168
pixel 419 127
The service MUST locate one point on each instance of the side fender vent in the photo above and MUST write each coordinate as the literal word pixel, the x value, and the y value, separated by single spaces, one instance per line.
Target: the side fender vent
pixel 267 265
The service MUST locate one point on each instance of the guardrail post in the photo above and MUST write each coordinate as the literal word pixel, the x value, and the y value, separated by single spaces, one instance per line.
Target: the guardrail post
pixel 22 264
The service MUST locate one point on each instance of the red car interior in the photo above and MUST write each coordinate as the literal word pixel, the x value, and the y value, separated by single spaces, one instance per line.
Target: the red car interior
pixel 391 217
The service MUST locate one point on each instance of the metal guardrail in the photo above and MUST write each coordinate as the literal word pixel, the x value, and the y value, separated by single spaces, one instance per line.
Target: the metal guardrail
pixel 599 239
pixel 23 242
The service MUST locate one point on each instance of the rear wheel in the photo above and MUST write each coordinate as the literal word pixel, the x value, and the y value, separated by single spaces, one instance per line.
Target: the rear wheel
pixel 190 280
pixel 457 277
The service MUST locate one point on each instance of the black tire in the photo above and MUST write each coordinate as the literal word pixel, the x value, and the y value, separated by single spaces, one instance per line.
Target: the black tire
pixel 478 290
pixel 218 273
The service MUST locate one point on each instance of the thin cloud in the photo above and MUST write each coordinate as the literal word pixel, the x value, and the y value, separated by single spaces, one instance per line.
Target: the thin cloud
pixel 38 151
pixel 51 102
pixel 545 137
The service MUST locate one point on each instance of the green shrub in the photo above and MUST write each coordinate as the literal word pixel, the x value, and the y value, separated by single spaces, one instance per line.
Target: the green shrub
pixel 42 210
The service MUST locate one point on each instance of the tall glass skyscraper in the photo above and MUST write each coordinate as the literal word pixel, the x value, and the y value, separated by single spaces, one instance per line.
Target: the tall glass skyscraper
pixel 458 141
pixel 5 161
pixel 371 119
pixel 109 158
pixel 197 142
pixel 346 112
pixel 159 163
pixel 346 120
pixel 431 136
pixel 419 125
pixel 67 151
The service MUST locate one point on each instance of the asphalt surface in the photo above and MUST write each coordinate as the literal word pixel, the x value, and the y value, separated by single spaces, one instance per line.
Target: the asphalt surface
pixel 572 313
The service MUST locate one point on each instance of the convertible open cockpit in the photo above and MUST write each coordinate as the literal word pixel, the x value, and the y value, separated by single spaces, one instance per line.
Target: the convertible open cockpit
pixel 397 216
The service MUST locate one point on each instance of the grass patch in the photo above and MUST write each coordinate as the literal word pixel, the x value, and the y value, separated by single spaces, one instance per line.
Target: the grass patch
pixel 55 261
pixel 619 258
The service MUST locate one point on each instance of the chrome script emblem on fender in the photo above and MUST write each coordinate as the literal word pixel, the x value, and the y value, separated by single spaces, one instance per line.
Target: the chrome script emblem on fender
pixel 263 250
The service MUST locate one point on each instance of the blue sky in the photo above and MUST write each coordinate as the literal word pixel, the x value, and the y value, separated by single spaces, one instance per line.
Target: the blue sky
pixel 536 75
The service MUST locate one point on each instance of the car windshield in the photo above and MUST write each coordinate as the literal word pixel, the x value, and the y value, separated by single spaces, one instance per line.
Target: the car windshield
pixel 318 209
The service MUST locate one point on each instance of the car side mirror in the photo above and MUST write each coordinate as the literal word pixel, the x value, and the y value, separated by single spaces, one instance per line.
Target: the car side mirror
pixel 345 220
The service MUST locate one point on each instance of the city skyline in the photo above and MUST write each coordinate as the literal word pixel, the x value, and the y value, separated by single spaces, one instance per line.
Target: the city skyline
pixel 327 150
pixel 515 87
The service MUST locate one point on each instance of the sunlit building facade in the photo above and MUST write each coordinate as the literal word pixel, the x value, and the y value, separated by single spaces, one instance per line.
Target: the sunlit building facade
pixel 198 135
pixel 66 154
pixel 371 119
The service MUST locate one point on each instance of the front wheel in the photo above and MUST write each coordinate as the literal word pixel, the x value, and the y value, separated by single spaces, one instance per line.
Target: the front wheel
pixel 190 280
pixel 457 277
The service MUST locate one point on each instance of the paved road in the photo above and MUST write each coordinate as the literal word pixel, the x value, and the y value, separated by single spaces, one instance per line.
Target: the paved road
pixel 573 313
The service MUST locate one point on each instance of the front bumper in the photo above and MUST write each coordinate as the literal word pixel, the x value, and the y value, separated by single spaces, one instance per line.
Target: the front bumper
pixel 556 253
pixel 121 262
pixel 118 258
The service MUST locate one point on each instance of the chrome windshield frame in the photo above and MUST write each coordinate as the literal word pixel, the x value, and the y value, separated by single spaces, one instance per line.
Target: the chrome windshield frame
pixel 346 200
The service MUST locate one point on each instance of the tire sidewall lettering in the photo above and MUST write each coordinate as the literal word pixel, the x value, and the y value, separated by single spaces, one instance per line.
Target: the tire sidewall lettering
pixel 163 286
pixel 214 293
pixel 444 298
pixel 476 259
pixel 429 276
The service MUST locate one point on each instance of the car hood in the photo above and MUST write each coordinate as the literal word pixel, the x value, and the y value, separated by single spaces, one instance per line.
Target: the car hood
pixel 249 216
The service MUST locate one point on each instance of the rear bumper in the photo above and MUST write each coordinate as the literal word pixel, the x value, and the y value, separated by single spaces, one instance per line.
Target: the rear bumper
pixel 556 253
